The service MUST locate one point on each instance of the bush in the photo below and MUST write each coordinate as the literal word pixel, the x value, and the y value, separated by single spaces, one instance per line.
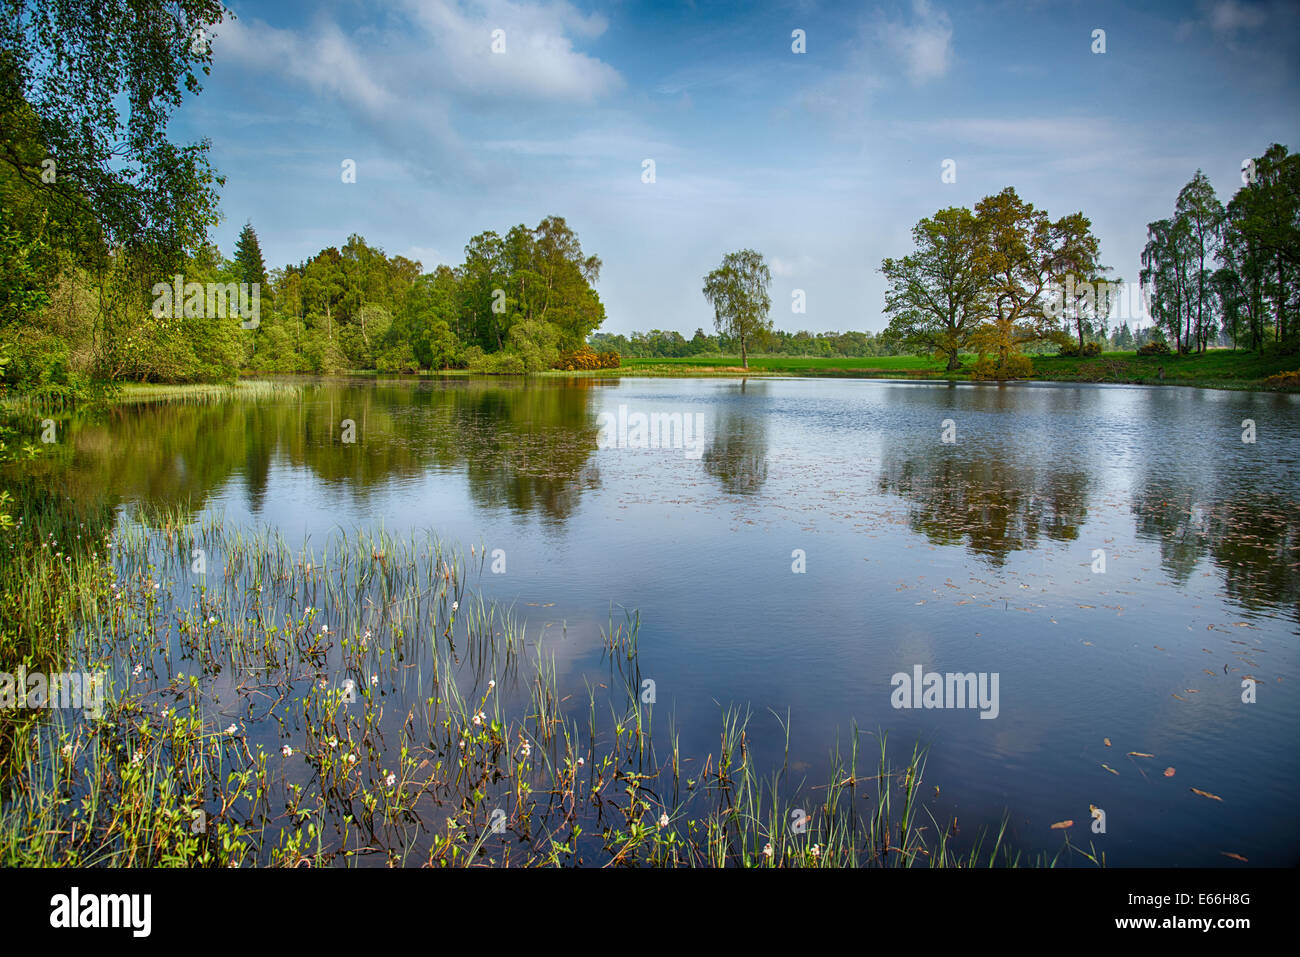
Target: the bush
pixel 1017 366
pixel 585 357
pixel 399 357
pixel 1090 350
pixel 497 363
pixel 1154 348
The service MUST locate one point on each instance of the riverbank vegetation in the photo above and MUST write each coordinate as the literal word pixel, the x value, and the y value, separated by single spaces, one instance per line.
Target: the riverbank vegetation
pixel 248 721
pixel 108 275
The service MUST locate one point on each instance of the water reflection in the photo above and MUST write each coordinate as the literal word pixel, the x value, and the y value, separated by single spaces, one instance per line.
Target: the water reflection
pixel 995 504
pixel 1030 465
pixel 525 447
pixel 737 451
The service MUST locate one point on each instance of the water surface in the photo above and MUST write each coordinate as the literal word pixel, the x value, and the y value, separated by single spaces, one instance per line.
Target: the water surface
pixel 974 555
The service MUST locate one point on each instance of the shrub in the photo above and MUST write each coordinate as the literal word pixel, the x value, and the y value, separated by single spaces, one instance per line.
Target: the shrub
pixel 585 357
pixel 1154 348
pixel 497 363
pixel 399 357
pixel 1090 349
pixel 1017 366
pixel 1284 380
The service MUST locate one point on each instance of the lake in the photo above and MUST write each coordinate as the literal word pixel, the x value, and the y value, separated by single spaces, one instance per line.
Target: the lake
pixel 1118 560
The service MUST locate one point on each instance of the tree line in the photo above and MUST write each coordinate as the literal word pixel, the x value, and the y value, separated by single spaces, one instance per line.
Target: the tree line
pixel 101 212
pixel 1005 279
pixel 98 208
pixel 1230 271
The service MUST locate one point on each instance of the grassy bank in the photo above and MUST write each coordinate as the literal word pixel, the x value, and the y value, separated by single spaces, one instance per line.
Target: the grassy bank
pixel 1217 369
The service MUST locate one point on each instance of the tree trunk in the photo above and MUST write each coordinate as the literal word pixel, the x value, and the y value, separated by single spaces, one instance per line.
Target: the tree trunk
pixel 744 356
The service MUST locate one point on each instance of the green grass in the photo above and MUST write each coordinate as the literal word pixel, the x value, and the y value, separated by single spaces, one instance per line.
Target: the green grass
pixel 1219 368
pixel 134 392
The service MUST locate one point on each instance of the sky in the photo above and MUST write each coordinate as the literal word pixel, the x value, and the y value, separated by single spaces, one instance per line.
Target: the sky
pixel 822 160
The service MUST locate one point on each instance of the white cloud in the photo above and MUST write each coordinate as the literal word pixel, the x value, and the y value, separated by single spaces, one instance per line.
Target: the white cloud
pixel 925 45
pixel 435 59
pixel 799 266
pixel 539 62
pixel 327 61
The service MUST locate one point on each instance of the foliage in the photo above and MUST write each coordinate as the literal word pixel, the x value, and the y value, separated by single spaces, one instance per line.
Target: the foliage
pixel 584 357
pixel 939 294
pixel 737 290
pixel 998 279
pixel 1015 365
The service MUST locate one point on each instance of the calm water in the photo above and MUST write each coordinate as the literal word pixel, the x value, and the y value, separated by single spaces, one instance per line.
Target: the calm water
pixel 975 555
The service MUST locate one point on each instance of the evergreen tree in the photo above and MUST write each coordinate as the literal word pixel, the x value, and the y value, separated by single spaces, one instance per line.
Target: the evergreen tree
pixel 248 257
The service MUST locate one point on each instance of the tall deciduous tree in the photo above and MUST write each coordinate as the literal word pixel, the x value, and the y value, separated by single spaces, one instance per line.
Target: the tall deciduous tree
pixel 1023 257
pixel 1166 261
pixel 1262 244
pixel 939 295
pixel 1201 215
pixel 101 80
pixel 737 290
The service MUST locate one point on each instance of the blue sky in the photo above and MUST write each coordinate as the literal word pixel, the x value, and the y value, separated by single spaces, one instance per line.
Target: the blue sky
pixel 821 160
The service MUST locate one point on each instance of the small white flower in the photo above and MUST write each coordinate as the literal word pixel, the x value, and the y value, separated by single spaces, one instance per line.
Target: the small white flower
pixel 137 669
pixel 138 756
pixel 816 851
pixel 324 629
pixel 454 606
pixel 232 729
pixel 212 619
pixel 352 759
pixel 492 684
pixel 663 820
pixel 581 761
pixel 286 751
pixel 478 718
pixel 67 750
pixel 374 680
pixel 333 742
pixel 767 851
pixel 391 780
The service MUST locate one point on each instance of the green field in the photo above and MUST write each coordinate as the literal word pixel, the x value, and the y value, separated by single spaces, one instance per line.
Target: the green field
pixel 1219 368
